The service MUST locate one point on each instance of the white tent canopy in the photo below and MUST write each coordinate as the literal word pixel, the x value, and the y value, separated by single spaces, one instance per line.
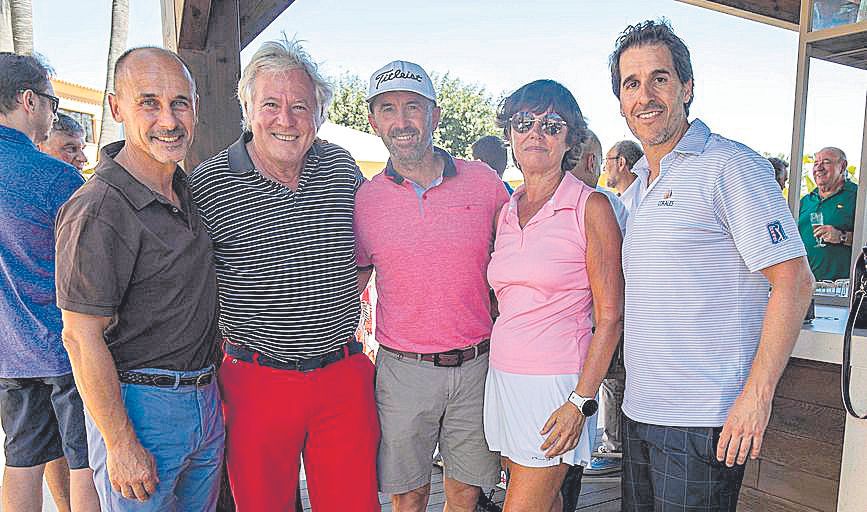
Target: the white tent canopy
pixel 364 147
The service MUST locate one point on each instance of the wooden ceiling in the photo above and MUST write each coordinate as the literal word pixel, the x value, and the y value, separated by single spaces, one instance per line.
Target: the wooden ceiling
pixel 782 13
pixel 253 17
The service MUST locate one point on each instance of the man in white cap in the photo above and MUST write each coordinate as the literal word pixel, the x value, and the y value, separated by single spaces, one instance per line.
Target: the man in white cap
pixel 425 224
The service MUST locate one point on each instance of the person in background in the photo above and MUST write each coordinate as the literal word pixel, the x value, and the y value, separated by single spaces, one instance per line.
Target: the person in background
pixel 619 167
pixel 66 142
pixel 40 406
pixel 136 285
pixel 704 344
pixel 551 266
pixel 834 200
pixel 611 391
pixel 491 150
pixel 588 169
pixel 429 374
pixel 781 171
pixel 278 204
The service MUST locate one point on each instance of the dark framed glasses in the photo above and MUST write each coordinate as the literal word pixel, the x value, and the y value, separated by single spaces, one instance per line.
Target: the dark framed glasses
pixel 551 123
pixel 55 101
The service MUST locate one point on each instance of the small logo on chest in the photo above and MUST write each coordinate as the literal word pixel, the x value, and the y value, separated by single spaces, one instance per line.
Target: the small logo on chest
pixel 666 199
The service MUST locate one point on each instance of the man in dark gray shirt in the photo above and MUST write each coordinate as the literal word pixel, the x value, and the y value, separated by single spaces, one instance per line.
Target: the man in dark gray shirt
pixel 137 289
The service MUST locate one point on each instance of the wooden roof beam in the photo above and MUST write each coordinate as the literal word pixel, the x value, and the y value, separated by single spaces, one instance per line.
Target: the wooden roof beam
pixel 194 24
pixel 256 15
pixel 779 13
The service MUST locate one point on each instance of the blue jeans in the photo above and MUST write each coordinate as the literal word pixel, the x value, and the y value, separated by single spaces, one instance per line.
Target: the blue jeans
pixel 182 427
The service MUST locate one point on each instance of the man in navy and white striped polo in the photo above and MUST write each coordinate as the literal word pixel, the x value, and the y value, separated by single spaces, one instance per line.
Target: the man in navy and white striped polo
pixel 278 204
pixel 704 344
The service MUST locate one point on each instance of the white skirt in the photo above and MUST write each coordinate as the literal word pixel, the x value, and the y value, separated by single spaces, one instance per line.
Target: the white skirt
pixel 517 407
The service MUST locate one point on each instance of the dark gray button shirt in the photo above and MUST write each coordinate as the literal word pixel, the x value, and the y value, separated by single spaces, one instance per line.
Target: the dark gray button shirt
pixel 125 252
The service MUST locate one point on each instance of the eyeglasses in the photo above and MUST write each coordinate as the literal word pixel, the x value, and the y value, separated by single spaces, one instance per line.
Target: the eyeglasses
pixel 55 101
pixel 612 157
pixel 552 123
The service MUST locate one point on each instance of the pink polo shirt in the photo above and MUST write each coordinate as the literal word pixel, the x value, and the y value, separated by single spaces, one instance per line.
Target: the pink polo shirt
pixel 430 250
pixel 540 277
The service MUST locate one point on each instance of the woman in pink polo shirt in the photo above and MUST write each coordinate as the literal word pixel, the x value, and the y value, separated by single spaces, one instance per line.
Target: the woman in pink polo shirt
pixel 556 260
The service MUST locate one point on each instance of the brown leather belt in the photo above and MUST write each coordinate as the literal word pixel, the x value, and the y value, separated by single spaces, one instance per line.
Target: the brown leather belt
pixel 449 359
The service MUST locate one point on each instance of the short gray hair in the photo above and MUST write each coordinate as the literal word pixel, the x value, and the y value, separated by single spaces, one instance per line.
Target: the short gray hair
pixel 839 153
pixel 630 151
pixel 282 56
pixel 67 125
pixel 591 145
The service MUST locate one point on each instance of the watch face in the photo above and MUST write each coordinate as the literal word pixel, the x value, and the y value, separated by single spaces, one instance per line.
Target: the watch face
pixel 589 408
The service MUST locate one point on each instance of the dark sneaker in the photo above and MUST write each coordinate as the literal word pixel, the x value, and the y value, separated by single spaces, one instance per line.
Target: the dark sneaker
pixel 602 466
pixel 486 503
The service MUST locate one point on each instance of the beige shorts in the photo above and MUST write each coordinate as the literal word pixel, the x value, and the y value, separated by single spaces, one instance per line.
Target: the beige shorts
pixel 421 405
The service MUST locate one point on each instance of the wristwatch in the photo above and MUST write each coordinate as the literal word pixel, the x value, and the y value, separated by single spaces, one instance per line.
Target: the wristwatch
pixel 586 406
pixel 844 237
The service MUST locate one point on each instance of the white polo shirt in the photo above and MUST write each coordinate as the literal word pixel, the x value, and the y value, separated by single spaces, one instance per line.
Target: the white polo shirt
pixel 695 299
pixel 620 212
pixel 635 191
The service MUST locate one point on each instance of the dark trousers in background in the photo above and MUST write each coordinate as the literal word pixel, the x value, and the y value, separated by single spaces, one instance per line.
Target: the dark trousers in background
pixel 571 488
pixel 675 469
pixel 611 394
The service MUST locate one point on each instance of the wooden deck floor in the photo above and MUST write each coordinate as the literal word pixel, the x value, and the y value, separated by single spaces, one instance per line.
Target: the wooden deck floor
pixel 598 494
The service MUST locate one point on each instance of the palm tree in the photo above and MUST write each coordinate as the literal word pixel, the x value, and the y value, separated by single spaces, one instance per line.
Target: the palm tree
pixel 21 14
pixel 6 44
pixel 109 129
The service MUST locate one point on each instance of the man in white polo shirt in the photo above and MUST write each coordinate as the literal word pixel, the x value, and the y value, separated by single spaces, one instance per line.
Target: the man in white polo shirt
pixel 704 343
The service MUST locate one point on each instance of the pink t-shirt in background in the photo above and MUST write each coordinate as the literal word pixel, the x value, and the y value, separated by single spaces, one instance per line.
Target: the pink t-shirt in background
pixel 540 278
pixel 430 253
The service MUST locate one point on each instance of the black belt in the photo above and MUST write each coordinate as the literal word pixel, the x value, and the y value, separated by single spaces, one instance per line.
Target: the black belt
pixel 351 347
pixel 163 380
pixel 450 358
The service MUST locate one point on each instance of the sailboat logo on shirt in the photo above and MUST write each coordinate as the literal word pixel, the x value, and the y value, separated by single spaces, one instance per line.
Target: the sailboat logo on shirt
pixel 666 199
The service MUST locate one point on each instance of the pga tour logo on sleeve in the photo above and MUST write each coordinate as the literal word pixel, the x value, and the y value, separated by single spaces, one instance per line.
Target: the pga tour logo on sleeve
pixel 776 232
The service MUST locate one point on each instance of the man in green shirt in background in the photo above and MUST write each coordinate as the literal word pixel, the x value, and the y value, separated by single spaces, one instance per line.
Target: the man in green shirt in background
pixel 833 197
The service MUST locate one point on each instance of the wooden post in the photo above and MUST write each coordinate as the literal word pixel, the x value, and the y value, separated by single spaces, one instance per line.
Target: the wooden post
pixel 216 66
pixel 170 10
pixel 802 80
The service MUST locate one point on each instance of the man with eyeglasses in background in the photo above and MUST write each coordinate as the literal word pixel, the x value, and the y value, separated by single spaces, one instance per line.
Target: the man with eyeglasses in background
pixel 66 142
pixel 40 408
pixel 620 172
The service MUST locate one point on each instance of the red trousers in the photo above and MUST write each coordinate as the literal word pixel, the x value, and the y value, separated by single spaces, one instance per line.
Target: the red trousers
pixel 273 416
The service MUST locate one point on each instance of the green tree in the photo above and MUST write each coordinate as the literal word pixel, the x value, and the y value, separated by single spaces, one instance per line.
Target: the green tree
pixel 468 111
pixel 349 107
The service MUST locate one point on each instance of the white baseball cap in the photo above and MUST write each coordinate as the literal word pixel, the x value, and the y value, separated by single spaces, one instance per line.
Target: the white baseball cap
pixel 401 75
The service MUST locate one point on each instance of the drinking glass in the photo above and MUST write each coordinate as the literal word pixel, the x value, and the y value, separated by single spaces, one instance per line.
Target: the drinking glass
pixel 816 219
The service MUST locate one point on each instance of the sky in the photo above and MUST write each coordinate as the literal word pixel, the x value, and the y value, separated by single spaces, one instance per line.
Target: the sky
pixel 744 70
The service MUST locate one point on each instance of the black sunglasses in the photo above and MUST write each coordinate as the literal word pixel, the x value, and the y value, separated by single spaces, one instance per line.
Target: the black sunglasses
pixel 552 123
pixel 55 101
